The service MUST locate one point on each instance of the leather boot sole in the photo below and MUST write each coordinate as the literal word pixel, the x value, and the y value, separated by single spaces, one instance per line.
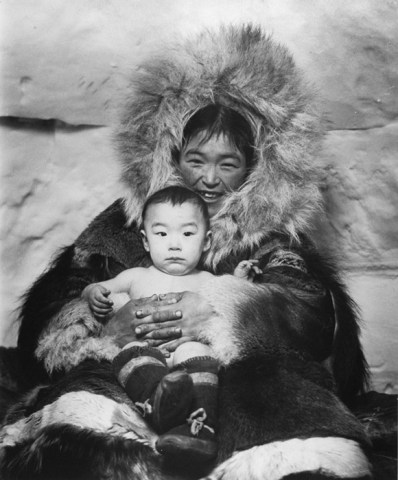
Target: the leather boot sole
pixel 183 446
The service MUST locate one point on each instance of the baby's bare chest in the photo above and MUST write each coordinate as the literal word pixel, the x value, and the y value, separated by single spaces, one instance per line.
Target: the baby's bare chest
pixel 157 284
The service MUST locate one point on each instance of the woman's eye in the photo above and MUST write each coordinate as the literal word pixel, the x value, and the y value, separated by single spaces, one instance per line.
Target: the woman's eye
pixel 228 165
pixel 195 162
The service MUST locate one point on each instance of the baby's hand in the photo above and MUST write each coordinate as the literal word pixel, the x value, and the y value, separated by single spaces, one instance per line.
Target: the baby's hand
pixel 96 295
pixel 247 269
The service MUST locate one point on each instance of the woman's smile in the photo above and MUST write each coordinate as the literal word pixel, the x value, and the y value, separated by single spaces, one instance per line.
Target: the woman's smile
pixel 210 196
pixel 212 168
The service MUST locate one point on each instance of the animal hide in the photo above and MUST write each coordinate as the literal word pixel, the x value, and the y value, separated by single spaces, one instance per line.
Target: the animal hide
pixel 271 334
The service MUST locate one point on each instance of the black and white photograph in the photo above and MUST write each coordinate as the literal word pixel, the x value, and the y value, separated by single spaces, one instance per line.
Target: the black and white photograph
pixel 199 239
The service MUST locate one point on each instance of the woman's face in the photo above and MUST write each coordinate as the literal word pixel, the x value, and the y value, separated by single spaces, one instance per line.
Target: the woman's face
pixel 212 169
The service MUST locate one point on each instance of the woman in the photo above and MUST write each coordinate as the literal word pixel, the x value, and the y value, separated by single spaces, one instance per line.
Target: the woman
pixel 229 115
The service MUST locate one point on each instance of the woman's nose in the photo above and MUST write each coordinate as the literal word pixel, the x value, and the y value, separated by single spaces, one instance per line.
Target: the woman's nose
pixel 210 177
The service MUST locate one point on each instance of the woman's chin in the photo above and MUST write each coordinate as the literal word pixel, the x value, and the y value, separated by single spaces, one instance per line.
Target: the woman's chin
pixel 213 207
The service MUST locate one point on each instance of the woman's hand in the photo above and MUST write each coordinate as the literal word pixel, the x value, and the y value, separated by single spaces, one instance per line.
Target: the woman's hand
pixel 137 313
pixel 183 314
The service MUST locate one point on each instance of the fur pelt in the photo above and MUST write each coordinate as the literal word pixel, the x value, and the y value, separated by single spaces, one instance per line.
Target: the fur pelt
pixel 85 427
pixel 306 459
pixel 307 430
pixel 306 405
pixel 257 317
pixel 67 452
pixel 246 70
pixel 82 427
pixel 74 325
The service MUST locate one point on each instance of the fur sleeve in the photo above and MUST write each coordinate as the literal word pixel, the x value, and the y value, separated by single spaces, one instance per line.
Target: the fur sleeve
pixel 261 318
pixel 57 330
pixel 72 336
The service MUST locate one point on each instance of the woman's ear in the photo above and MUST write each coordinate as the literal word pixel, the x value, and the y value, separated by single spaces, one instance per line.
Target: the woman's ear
pixel 144 240
pixel 207 244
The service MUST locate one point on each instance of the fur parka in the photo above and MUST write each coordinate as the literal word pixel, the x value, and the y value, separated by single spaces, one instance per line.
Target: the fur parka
pixel 288 344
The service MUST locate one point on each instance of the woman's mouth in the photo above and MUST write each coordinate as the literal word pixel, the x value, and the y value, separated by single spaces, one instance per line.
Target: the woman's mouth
pixel 210 196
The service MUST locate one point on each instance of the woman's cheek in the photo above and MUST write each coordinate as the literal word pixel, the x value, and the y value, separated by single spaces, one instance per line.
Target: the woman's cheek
pixel 192 177
pixel 233 181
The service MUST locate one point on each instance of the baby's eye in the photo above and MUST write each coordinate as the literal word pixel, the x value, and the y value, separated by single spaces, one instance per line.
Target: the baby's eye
pixel 161 234
pixel 188 234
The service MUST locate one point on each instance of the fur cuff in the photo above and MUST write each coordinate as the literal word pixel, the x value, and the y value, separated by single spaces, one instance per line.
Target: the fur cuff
pixel 230 298
pixel 329 457
pixel 72 336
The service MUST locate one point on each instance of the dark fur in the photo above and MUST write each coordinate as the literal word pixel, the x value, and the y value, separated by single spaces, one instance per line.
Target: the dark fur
pixel 319 476
pixel 350 368
pixel 45 298
pixel 90 376
pixel 113 248
pixel 306 405
pixel 65 452
pixel 275 390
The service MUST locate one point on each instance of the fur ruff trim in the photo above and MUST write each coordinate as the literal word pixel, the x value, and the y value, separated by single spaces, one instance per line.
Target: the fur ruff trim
pixel 73 336
pixel 84 410
pixel 332 457
pixel 246 70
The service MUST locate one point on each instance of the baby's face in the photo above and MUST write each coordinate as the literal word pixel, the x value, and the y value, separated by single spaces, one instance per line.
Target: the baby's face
pixel 175 236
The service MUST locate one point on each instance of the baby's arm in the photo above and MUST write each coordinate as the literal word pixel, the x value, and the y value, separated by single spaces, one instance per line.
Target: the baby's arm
pixel 97 294
pixel 97 297
pixel 247 269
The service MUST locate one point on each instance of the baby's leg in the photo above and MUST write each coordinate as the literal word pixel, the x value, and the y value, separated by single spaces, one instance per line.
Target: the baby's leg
pixel 189 350
pixel 164 398
pixel 196 437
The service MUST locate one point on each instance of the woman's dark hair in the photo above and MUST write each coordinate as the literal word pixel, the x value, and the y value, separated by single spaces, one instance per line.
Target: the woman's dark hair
pixel 177 195
pixel 215 120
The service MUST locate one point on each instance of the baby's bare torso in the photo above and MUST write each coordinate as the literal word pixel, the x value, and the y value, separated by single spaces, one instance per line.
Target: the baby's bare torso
pixel 149 281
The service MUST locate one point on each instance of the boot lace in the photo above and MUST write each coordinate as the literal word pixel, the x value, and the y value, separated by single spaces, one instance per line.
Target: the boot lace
pixel 145 408
pixel 196 420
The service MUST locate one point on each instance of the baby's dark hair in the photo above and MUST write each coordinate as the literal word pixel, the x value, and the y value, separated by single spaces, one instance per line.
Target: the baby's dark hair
pixel 177 195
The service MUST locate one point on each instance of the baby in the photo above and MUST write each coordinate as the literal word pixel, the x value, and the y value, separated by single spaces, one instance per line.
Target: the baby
pixel 176 232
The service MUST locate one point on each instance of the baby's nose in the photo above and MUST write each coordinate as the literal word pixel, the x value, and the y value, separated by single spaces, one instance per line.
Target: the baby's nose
pixel 174 244
pixel 174 247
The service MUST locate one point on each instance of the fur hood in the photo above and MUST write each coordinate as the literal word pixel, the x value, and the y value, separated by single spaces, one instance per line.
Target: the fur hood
pixel 242 68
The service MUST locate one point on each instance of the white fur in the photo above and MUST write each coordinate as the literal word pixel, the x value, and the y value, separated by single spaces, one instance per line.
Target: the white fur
pixel 84 410
pixel 225 294
pixel 73 336
pixel 334 456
